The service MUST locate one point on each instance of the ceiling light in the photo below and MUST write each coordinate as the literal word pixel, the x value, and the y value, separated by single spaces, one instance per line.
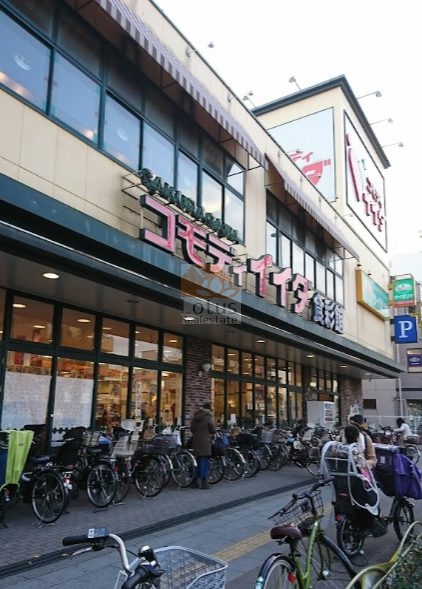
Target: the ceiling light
pixel 82 320
pixel 105 328
pixel 19 306
pixel 38 326
pixel 51 275
pixel 260 341
pixel 172 341
pixel 343 365
pixel 187 318
pixel 310 355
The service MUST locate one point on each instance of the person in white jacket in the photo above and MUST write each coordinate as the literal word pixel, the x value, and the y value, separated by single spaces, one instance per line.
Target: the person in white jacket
pixel 403 429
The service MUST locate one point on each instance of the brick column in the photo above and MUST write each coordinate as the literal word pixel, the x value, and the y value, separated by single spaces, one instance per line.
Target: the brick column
pixel 197 388
pixel 350 393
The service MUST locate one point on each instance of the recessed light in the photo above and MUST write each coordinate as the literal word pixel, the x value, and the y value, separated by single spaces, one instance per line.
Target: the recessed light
pixel 38 326
pixel 231 354
pixel 172 341
pixel 189 318
pixel 343 365
pixel 260 341
pixel 105 328
pixel 51 275
pixel 19 306
pixel 82 320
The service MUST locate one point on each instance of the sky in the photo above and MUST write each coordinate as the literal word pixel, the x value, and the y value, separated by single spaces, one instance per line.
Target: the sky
pixel 376 44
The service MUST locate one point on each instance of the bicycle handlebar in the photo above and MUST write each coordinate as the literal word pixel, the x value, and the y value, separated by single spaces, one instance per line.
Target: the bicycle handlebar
pixel 306 494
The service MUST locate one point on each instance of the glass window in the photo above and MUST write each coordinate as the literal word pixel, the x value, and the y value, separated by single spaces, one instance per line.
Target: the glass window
pixel 310 242
pixel 218 401
pixel 24 63
pixel 171 398
pixel 77 329
pixel 285 220
pixel 338 266
pixel 146 343
pixel 330 285
pixel 74 393
pixel 218 358
pixel 115 337
pixel 298 259
pixel 124 79
pixel 26 390
pixel 75 98
pixel 172 349
pixel 189 137
pixel 40 12
pixel 111 396
pixel 213 157
pixel 272 209
pixel 286 257
pixel 144 396
pixel 235 175
pixel 310 268
pixel 320 277
pixel 271 368
pixel 2 307
pixel 234 212
pixel 282 372
pixel 339 294
pixel 259 391
pixel 212 193
pixel 271 243
pixel 121 133
pixel 159 110
pixel 187 177
pixel 158 154
pixel 271 413
pixel 259 366
pixel 247 364
pixel 32 321
pixel 281 406
pixel 233 406
pixel 233 362
pixel 79 41
pixel 247 411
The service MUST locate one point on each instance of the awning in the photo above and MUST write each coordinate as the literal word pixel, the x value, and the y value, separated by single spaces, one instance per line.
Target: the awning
pixel 146 39
pixel 310 207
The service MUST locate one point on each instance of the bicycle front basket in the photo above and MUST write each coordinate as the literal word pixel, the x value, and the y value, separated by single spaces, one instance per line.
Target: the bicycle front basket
pixel 300 515
pixel 188 569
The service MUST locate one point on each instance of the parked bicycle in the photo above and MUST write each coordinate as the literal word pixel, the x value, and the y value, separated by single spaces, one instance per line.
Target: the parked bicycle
pixel 42 486
pixel 172 567
pixel 314 563
pixel 386 435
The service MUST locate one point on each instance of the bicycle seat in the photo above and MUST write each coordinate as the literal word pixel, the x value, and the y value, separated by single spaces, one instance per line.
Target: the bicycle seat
pixel 280 532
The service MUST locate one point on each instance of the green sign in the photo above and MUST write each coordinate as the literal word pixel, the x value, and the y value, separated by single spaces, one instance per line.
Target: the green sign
pixel 372 296
pixel 404 291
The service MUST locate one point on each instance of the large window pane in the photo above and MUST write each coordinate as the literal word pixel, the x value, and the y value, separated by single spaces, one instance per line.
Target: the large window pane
pixel 298 259
pixel 187 177
pixel 234 212
pixel 233 407
pixel 115 337
pixel 158 154
pixel 218 401
pixel 79 41
pixel 146 343
pixel 213 157
pixel 112 396
pixel 173 349
pixel 24 62
pixel 159 110
pixel 171 398
pixel 189 137
pixel 26 390
pixel 121 133
pixel 144 396
pixel 77 329
pixel 271 242
pixel 330 285
pixel 310 268
pixel 320 277
pixel 40 12
pixel 75 98
pixel 218 358
pixel 233 362
pixel 212 193
pixel 235 176
pixel 286 257
pixel 74 392
pixel 32 321
pixel 124 79
pixel 339 294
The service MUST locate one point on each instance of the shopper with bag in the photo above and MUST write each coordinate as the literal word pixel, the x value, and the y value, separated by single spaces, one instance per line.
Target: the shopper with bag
pixel 203 429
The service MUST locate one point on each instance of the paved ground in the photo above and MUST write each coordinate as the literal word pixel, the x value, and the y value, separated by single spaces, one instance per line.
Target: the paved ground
pixel 26 546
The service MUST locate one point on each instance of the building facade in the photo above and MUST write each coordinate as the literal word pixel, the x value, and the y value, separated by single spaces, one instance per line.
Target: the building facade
pixel 159 245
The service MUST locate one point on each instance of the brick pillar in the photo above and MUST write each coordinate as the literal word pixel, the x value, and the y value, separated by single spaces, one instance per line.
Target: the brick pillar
pixel 350 393
pixel 197 388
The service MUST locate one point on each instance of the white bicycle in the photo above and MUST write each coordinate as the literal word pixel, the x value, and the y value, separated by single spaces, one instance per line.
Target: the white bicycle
pixel 171 567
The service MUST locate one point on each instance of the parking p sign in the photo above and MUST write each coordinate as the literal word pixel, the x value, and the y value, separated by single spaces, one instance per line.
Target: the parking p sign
pixel 405 329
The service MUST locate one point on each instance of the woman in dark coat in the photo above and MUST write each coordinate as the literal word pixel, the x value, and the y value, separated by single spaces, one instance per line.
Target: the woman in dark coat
pixel 202 428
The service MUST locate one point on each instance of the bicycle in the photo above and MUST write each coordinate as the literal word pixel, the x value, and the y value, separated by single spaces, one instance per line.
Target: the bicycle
pixel 402 571
pixel 315 564
pixel 43 486
pixel 386 435
pixel 172 567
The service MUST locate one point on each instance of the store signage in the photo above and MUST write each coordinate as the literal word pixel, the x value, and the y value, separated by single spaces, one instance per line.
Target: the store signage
pixel 405 329
pixel 371 296
pixel 414 360
pixel 156 185
pixel 197 241
pixel 403 291
pixel 327 313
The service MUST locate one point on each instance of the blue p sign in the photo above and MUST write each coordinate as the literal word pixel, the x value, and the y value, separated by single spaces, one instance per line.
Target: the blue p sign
pixel 405 329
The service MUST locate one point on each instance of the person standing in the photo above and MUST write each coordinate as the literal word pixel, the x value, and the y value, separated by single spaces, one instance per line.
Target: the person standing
pixel 403 429
pixel 203 428
pixel 365 441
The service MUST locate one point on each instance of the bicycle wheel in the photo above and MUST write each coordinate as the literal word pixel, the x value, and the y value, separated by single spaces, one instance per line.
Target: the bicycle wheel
pixel 234 464
pixel 330 568
pixel 277 459
pixel 350 538
pixel 101 484
pixel 313 463
pixel 149 475
pixel 184 468
pixel 123 479
pixel 275 573
pixel 215 470
pixel 251 462
pixel 403 516
pixel 264 455
pixel 48 496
